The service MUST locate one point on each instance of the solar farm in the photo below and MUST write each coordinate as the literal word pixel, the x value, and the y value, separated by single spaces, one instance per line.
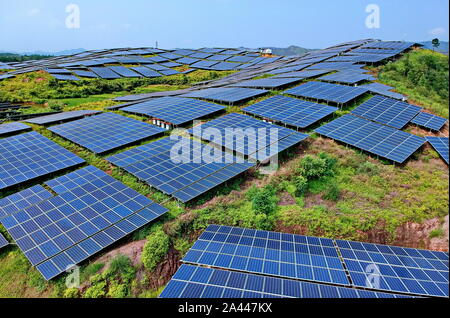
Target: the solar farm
pixel 258 175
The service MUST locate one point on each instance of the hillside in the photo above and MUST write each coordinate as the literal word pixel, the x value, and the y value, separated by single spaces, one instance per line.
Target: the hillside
pixel 289 51
pixel 443 48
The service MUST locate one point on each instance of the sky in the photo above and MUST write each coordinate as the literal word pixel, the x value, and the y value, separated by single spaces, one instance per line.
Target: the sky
pixel 44 25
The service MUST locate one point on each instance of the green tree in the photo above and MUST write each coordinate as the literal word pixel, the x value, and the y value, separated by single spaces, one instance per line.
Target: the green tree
pixel 157 246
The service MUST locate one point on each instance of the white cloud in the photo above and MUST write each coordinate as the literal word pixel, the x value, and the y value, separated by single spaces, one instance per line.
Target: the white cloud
pixel 33 12
pixel 437 31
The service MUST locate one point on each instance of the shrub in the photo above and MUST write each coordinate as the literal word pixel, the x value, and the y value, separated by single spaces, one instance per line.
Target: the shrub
pixel 316 167
pixel 333 192
pixel 117 290
pixel 121 266
pixel 56 106
pixel 368 168
pixel 157 246
pixel 71 293
pixel 436 233
pixel 263 200
pixel 97 290
pixel 301 185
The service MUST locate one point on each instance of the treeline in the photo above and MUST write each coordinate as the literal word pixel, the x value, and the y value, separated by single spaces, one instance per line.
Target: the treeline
pixel 11 57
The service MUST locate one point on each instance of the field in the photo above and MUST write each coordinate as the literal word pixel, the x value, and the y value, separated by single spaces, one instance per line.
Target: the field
pixel 322 188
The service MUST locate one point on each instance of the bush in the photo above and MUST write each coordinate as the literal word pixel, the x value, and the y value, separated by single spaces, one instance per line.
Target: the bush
pixel 301 185
pixel 263 200
pixel 97 290
pixel 436 233
pixel 368 168
pixel 71 293
pixel 333 192
pixel 117 290
pixel 316 167
pixel 121 266
pixel 56 106
pixel 157 246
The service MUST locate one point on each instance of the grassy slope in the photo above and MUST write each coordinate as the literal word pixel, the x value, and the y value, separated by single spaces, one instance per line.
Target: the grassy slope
pixel 375 200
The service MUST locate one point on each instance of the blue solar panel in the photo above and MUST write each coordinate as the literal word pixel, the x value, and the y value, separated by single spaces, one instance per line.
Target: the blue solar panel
pixel 204 64
pixel 269 253
pixel 169 72
pixel 201 282
pixel 387 111
pixel 241 59
pixel 83 73
pixel 175 110
pixel 336 66
pixel 106 131
pixel 399 269
pixel 187 60
pixel 224 66
pixel 378 139
pixel 395 45
pixel 146 72
pixel 154 164
pixel 3 242
pixel 347 77
pixel 219 57
pixel 227 94
pixel 340 94
pixel 248 136
pixel 384 90
pixel 50 119
pixel 441 146
pixel 303 74
pixel 429 121
pixel 171 64
pixel 64 77
pixel 31 155
pixel 91 211
pixel 124 71
pixel 269 83
pixel 20 200
pixel 200 55
pixel 290 111
pixel 13 128
pixel 105 72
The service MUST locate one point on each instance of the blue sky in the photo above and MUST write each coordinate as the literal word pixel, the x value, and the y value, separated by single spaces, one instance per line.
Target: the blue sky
pixel 40 24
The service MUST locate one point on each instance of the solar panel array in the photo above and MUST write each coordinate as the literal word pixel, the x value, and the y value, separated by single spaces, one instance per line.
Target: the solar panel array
pixel 248 136
pixel 13 128
pixel 429 121
pixel 387 111
pixel 28 156
pixel 183 178
pixel 347 77
pixel 290 111
pixel 303 74
pixel 382 89
pixel 440 144
pixel 22 199
pixel 105 73
pixel 227 94
pixel 268 83
pixel 202 282
pixel 104 132
pixel 50 119
pixel 175 110
pixel 91 211
pixel 232 262
pixel 340 94
pixel 3 242
pixel 384 141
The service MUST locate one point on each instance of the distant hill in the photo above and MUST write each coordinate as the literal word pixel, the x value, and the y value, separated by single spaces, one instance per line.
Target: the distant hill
pixel 291 50
pixel 45 53
pixel 442 48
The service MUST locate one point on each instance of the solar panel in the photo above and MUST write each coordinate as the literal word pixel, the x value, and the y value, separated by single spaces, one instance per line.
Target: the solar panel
pixel 204 64
pixel 290 111
pixel 91 211
pixel 268 253
pixel 219 57
pixel 50 119
pixel 187 60
pixel 157 67
pixel 3 242
pixel 170 56
pixel 268 83
pixel 83 73
pixel 64 77
pixel 396 45
pixel 31 155
pixel 378 139
pixel 440 144
pixel 13 128
pixel 124 71
pixel 227 94
pixel 334 66
pixel 104 132
pixel 20 200
pixel 347 77
pixel 248 136
pixel 144 71
pixel 303 74
pixel 224 66
pixel 384 90
pixel 429 121
pixel 202 282
pixel 405 270
pixel 105 72
pixel 175 110
pixel 155 164
pixel 340 94
pixel 200 55
pixel 169 72
pixel 240 59
pixel 387 111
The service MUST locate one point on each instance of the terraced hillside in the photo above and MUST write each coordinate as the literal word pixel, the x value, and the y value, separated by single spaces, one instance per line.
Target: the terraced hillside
pixel 379 181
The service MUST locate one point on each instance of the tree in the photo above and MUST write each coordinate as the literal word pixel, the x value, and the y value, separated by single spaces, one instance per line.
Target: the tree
pixel 436 43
